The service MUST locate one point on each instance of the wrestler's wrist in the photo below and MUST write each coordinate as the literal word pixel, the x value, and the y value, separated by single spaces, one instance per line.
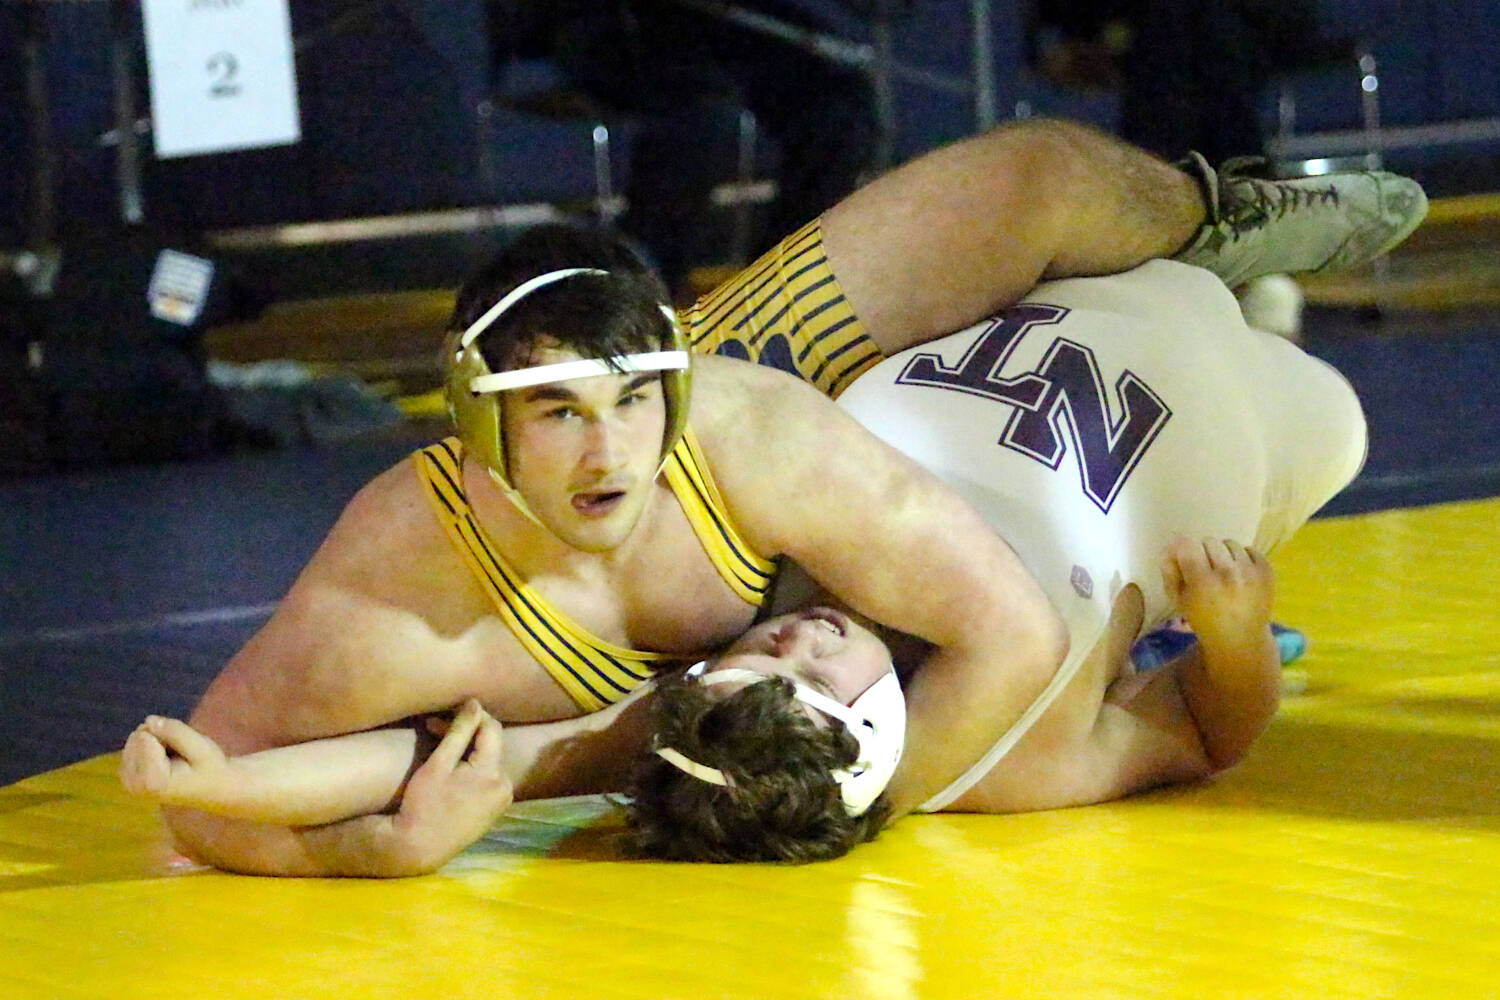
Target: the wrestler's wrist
pixel 398 849
pixel 1229 628
pixel 223 789
pixel 1244 658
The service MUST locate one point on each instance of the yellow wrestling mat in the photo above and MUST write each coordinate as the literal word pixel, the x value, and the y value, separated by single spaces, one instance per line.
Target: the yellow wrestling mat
pixel 1356 854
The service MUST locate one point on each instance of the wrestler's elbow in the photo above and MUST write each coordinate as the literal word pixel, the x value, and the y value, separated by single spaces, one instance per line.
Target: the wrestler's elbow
pixel 1016 659
pixel 1231 713
pixel 1050 650
pixel 217 842
pixel 1036 644
pixel 237 846
pixel 1224 750
pixel 1018 608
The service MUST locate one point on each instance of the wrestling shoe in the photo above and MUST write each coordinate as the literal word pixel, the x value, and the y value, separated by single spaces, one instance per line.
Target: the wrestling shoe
pixel 1290 643
pixel 1162 645
pixel 1321 223
pixel 1173 638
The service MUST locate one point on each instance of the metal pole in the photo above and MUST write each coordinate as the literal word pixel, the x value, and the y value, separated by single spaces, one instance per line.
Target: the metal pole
pixel 41 222
pixel 128 152
pixel 985 115
pixel 1369 105
pixel 749 131
pixel 884 86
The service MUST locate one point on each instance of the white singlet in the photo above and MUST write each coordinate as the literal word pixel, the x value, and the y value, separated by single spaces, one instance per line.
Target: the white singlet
pixel 1099 418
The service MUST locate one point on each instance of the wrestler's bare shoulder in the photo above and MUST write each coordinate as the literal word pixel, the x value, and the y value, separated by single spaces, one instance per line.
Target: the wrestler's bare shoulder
pixel 736 403
pixel 378 626
pixel 390 514
pixel 385 566
pixel 789 462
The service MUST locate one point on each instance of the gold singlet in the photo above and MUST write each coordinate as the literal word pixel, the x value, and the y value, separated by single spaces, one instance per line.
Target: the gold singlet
pixel 787 311
pixel 593 672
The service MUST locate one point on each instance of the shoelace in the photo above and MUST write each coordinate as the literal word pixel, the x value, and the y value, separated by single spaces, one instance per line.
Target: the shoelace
pixel 1269 198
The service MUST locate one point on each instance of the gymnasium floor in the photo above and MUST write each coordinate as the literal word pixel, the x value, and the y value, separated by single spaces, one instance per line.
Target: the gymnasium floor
pixel 1355 853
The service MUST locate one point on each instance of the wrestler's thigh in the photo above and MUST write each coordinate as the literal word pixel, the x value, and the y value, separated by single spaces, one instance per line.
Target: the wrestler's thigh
pixel 949 237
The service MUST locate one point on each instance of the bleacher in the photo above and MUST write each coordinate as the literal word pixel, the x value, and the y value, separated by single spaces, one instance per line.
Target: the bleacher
pixel 420 152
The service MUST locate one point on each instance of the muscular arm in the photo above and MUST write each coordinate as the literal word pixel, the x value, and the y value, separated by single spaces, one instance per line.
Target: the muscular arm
pixel 337 656
pixel 271 797
pixel 317 808
pixel 1185 721
pixel 347 650
pixel 1113 732
pixel 280 691
pixel 304 784
pixel 358 642
pixel 366 846
pixel 901 548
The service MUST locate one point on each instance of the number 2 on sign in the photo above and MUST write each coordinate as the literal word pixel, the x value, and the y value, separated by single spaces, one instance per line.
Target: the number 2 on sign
pixel 223 68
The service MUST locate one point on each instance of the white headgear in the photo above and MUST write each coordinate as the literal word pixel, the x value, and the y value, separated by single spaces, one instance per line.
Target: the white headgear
pixel 876 719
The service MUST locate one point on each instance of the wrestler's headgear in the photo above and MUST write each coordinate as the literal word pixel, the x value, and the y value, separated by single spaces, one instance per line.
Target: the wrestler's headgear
pixel 876 719
pixel 471 388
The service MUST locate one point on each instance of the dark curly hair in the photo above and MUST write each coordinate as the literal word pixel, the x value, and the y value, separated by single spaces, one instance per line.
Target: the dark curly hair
pixel 783 803
pixel 597 315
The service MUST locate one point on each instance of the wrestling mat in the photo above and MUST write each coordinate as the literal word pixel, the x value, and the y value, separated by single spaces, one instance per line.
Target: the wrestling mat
pixel 1356 854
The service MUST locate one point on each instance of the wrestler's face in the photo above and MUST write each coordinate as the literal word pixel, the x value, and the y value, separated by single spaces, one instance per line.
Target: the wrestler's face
pixel 584 453
pixel 819 647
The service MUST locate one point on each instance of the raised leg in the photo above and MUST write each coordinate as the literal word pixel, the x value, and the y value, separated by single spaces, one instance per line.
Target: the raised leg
pixel 968 229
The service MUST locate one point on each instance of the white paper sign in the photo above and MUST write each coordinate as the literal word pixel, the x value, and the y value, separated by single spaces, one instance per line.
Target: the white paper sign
pixel 222 75
pixel 179 287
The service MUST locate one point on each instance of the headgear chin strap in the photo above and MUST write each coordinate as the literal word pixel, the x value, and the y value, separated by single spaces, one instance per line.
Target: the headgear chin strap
pixel 471 387
pixel 877 720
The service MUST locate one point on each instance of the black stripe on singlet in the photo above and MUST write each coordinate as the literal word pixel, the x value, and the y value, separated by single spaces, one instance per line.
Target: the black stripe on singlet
pixel 757 283
pixel 808 347
pixel 767 324
pixel 493 567
pixel 835 328
pixel 754 571
pixel 838 380
pixel 442 470
pixel 767 265
pixel 836 352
